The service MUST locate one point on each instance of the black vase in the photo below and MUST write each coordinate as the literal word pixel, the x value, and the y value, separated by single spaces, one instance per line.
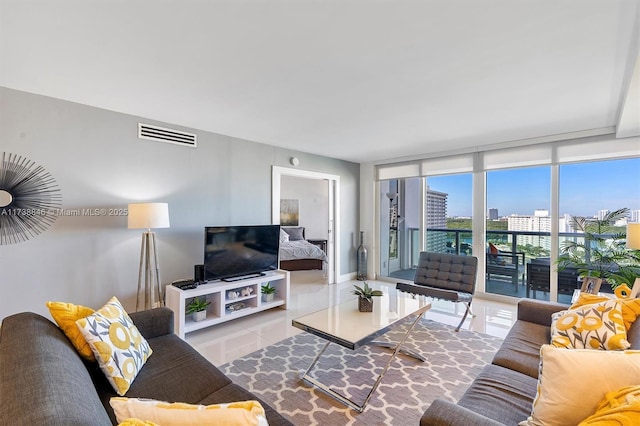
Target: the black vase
pixel 361 260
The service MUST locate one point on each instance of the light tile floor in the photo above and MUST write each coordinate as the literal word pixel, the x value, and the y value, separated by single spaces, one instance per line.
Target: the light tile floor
pixel 226 342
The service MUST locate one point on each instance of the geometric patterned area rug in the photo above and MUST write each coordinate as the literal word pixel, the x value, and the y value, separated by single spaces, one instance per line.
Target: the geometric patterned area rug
pixel 407 389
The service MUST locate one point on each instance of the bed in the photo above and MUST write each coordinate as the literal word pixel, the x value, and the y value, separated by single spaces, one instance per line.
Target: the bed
pixel 298 254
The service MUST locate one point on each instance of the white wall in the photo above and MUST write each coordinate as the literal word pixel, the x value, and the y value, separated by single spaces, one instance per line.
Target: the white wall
pixel 98 161
pixel 313 203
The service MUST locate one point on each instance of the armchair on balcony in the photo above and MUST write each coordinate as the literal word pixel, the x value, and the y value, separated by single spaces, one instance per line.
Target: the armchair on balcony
pixel 445 276
pixel 505 263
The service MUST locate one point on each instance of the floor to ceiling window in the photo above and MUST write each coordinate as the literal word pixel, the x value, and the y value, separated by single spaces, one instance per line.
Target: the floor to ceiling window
pixel 400 219
pixel 509 207
pixel 518 229
pixel 595 191
pixel 449 214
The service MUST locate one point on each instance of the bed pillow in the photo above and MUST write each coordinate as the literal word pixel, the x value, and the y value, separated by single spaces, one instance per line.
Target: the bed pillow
pixel 118 346
pixel 572 382
pixel 181 414
pixel 295 233
pixel 284 237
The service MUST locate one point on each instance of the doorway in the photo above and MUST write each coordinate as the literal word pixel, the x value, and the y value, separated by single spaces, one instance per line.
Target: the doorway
pixel 333 226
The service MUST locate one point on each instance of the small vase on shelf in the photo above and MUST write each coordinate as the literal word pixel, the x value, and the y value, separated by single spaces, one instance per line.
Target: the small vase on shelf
pixel 199 316
pixel 361 260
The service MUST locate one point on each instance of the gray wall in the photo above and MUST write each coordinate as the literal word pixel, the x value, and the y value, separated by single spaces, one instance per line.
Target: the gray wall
pixel 98 161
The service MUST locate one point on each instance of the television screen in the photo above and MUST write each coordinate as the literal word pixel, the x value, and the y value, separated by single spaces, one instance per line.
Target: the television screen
pixel 237 251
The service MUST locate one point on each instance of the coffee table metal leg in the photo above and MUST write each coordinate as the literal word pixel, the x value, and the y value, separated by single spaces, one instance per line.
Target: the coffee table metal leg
pixel 346 401
pixel 313 363
pixel 391 345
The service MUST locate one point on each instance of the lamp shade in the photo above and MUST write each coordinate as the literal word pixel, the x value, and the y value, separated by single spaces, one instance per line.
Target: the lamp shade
pixel 148 215
pixel 633 236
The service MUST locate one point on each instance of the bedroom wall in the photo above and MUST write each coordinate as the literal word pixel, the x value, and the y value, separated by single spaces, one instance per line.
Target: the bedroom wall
pixel 313 203
pixel 98 162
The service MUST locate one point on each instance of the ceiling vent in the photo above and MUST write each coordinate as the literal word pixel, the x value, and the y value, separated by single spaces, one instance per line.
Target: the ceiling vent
pixel 161 134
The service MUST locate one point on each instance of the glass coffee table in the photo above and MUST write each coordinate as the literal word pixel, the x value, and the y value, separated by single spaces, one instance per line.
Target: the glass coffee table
pixel 344 325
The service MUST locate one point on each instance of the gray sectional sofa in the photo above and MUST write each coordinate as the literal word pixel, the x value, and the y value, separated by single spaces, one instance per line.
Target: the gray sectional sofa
pixel 43 380
pixel 503 392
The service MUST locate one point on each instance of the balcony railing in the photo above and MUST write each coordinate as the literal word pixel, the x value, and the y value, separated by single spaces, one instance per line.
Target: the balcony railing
pixel 531 246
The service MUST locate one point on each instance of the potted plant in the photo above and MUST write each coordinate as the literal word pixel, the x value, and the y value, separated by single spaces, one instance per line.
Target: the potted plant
pixel 268 292
pixel 198 308
pixel 602 252
pixel 365 297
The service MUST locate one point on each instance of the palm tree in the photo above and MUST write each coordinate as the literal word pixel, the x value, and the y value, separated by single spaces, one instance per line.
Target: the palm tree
pixel 602 252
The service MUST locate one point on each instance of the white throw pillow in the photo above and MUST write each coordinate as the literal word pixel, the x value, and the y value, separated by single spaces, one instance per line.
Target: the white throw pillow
pixel 284 237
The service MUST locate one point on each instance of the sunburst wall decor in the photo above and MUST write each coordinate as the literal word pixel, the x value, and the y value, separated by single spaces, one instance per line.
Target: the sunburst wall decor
pixel 30 199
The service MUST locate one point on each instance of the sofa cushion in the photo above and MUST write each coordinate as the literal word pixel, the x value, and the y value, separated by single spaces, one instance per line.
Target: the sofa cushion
pixel 118 346
pixel 233 392
pixel 500 394
pixel 520 350
pixel 240 413
pixel 43 380
pixel 175 372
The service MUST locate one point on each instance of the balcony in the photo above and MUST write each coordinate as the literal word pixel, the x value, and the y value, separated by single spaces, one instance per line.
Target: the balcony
pixel 520 267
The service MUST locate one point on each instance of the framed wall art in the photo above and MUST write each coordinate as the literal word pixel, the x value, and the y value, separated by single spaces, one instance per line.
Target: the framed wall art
pixel 289 213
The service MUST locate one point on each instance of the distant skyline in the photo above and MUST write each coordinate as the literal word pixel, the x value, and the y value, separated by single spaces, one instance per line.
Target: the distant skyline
pixel 585 188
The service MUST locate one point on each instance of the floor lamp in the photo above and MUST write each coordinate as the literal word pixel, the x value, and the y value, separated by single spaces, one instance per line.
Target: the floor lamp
pixel 148 216
pixel 633 243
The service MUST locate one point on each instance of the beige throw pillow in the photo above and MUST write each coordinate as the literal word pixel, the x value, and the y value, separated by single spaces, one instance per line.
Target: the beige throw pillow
pixel 572 382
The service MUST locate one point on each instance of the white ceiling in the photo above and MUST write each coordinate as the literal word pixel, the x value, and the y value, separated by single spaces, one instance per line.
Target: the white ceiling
pixel 360 80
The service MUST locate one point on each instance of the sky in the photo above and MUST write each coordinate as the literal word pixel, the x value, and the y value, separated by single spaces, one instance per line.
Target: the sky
pixel 585 188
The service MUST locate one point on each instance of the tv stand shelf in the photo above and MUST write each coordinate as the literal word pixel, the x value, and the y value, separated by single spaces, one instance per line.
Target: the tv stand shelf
pixel 225 305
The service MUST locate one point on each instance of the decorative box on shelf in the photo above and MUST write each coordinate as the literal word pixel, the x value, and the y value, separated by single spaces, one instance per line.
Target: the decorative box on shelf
pixel 229 300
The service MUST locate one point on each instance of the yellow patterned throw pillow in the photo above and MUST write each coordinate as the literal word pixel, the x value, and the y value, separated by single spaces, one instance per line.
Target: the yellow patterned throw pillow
pixel 630 307
pixel 118 346
pixel 243 413
pixel 66 315
pixel 596 326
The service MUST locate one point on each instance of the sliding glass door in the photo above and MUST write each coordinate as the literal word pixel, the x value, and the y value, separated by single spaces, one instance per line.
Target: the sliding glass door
pixel 449 214
pixel 518 228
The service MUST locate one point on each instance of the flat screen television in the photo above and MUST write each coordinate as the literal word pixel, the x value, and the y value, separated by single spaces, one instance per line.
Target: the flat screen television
pixel 235 252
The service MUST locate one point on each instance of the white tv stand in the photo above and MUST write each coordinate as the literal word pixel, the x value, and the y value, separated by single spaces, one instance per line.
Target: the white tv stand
pixel 223 308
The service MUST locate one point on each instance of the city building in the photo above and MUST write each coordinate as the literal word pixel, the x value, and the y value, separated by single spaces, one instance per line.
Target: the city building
pixel 436 217
pixel 539 222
